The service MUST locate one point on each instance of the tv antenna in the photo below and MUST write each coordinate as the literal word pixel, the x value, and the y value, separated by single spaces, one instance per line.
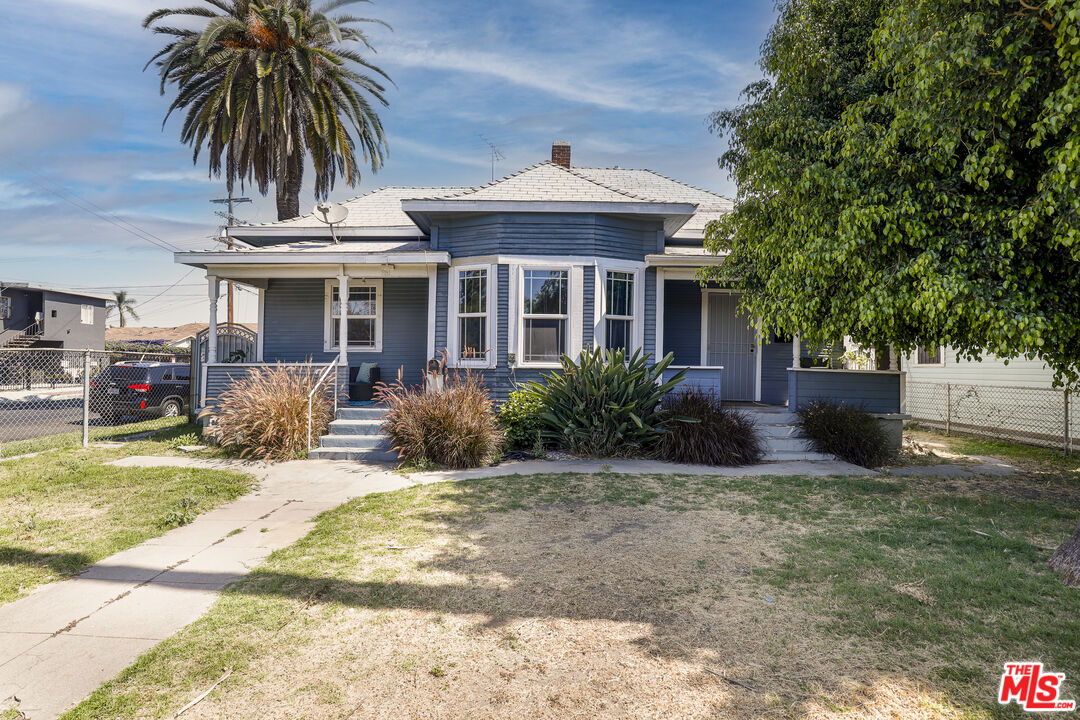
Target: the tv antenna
pixel 495 155
pixel 230 220
pixel 332 214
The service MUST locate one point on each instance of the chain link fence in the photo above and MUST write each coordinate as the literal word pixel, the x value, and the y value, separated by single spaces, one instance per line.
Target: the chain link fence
pixel 52 397
pixel 1031 415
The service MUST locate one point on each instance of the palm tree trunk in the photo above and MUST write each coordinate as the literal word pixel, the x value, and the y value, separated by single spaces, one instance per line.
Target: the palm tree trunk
pixel 120 312
pixel 1066 561
pixel 288 193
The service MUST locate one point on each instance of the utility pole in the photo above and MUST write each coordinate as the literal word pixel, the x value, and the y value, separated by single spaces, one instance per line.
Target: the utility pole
pixel 230 220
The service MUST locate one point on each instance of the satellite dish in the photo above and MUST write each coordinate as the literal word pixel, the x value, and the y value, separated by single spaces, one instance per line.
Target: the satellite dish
pixel 331 214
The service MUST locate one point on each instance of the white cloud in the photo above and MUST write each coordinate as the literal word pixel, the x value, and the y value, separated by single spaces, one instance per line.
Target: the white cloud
pixel 14 196
pixel 12 98
pixel 425 150
pixel 185 176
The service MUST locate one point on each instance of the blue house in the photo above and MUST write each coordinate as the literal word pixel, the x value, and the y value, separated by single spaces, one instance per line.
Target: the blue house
pixel 507 277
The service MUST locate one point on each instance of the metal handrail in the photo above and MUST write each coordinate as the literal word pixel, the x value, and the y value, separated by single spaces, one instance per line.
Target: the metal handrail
pixel 311 396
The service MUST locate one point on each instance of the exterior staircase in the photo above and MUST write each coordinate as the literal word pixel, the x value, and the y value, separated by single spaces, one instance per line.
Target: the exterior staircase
pixel 782 441
pixel 355 435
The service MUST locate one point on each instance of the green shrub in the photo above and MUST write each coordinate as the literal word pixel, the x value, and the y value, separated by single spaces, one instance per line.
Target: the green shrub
pixel 849 433
pixel 520 418
pixel 266 413
pixel 702 432
pixel 604 405
pixel 455 427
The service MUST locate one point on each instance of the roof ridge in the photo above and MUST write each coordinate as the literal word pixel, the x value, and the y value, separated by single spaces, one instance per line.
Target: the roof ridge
pixel 563 168
pixel 666 177
pixel 478 188
pixel 372 191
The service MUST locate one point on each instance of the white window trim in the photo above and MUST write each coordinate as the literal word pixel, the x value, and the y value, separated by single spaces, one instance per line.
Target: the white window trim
pixel 915 358
pixel 575 293
pixel 330 293
pixel 453 339
pixel 86 311
pixel 637 327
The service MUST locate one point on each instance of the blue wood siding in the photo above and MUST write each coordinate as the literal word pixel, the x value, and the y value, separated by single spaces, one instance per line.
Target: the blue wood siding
pixel 442 276
pixel 708 379
pixel 220 378
pixel 538 234
pixel 775 361
pixel 294 322
pixel 877 392
pixel 588 319
pixel 682 321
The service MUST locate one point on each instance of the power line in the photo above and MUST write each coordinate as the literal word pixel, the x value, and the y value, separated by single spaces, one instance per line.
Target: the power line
pixel 104 214
pixel 182 278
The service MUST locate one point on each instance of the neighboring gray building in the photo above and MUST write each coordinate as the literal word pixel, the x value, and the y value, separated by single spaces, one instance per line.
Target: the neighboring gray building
pixel 43 316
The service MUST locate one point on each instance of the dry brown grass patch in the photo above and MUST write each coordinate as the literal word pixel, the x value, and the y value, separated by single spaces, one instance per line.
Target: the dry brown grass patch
pixel 567 611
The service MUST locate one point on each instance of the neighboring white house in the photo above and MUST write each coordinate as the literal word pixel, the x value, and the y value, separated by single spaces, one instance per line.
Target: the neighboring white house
pixel 1013 399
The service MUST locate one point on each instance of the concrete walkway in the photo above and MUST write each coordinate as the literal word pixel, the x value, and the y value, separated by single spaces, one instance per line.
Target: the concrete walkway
pixel 58 644
pixel 61 642
pixel 816 468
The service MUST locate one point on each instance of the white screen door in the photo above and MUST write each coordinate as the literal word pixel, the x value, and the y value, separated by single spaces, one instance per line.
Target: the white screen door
pixel 732 343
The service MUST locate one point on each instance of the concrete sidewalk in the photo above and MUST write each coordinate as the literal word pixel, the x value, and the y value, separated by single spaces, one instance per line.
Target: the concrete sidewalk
pixel 61 642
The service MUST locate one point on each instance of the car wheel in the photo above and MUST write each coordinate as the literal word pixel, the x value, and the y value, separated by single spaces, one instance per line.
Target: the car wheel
pixel 170 408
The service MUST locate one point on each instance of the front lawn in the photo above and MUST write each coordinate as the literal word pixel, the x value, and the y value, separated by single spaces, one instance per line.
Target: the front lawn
pixel 611 596
pixel 65 509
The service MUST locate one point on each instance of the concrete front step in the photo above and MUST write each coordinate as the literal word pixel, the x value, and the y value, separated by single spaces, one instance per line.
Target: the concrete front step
pixel 366 442
pixel 354 454
pixel 777 431
pixel 355 427
pixel 787 455
pixel 786 444
pixel 360 413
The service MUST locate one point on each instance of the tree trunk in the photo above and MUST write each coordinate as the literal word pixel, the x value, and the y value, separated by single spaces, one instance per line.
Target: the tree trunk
pixel 1066 561
pixel 121 313
pixel 288 193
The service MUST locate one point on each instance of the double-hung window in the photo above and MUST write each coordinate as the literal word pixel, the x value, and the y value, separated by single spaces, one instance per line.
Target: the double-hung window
pixel 545 315
pixel 362 321
pixel 928 355
pixel 473 320
pixel 86 314
pixel 618 310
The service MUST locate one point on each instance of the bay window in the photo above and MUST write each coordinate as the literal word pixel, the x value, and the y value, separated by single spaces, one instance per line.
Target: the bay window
pixel 545 315
pixel 473 321
pixel 618 310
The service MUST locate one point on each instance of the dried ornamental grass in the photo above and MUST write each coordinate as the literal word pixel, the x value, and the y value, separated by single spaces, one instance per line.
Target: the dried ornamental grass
pixel 455 427
pixel 266 413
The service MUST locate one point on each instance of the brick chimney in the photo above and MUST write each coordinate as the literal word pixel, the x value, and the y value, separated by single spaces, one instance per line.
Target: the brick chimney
pixel 560 153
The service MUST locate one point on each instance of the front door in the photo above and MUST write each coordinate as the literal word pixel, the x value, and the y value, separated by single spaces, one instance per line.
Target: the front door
pixel 731 342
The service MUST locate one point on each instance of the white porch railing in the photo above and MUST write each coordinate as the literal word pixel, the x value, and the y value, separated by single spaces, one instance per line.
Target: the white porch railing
pixel 326 371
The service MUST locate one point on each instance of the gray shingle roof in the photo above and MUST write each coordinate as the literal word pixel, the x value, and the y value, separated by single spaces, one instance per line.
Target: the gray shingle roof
pixel 544 181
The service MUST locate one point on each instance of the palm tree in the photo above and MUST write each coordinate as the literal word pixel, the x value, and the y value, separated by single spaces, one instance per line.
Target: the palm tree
pixel 122 304
pixel 266 84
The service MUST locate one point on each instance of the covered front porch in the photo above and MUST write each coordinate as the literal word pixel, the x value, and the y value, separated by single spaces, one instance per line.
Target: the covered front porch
pixel 381 304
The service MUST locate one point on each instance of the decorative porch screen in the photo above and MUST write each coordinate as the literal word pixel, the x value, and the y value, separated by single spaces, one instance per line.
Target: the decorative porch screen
pixel 361 316
pixel 545 314
pixel 472 313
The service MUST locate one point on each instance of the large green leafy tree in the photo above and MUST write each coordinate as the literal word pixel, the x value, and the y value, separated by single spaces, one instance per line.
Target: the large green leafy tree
pixel 908 174
pixel 265 85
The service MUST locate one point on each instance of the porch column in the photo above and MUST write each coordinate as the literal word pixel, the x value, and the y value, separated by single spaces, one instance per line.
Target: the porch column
pixel 343 320
pixel 892 357
pixel 796 351
pixel 213 290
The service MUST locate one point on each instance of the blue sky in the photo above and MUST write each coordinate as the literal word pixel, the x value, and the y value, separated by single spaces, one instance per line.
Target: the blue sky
pixel 628 83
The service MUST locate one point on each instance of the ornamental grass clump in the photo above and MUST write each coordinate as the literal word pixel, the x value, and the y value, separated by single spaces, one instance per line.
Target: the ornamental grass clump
pixel 702 432
pixel 265 415
pixel 455 427
pixel 849 433
pixel 606 404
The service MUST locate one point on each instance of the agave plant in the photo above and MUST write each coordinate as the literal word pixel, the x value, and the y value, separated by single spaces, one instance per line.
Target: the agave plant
pixel 606 404
pixel 266 83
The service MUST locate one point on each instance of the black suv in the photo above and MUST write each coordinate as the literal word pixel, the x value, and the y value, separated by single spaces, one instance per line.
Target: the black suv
pixel 141 389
